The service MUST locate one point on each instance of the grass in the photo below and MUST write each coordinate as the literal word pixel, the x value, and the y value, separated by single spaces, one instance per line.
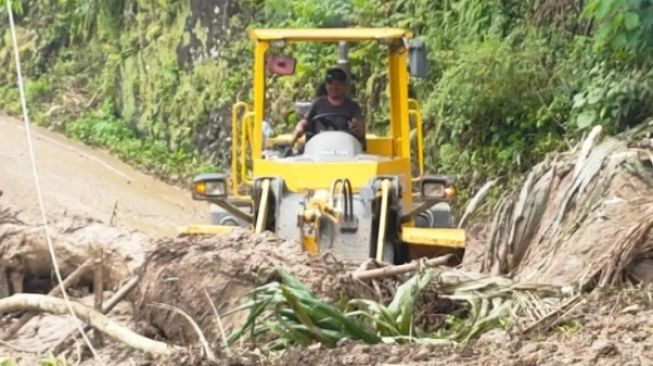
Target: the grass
pixel 103 130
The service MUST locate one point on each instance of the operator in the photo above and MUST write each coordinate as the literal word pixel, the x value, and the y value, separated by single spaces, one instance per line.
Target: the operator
pixel 345 113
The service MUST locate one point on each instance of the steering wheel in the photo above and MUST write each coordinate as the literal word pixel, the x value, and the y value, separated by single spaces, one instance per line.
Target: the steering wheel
pixel 327 123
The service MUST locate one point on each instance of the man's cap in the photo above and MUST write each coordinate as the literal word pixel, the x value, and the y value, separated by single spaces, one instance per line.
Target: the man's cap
pixel 336 74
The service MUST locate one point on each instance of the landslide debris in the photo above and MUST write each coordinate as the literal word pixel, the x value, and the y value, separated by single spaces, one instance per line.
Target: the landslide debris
pixel 191 272
pixel 25 262
pixel 580 218
pixel 604 329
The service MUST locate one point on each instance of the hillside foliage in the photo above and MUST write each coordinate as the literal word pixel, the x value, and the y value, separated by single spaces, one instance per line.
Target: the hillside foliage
pixel 510 80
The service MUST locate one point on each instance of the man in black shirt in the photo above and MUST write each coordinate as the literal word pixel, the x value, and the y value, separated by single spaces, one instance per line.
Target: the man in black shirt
pixel 335 111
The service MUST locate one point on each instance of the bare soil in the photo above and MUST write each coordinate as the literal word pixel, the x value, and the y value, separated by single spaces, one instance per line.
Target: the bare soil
pixel 77 180
pixel 182 272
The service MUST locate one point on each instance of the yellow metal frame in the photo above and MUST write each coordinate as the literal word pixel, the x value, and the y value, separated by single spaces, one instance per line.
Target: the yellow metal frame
pixel 262 218
pixel 328 34
pixel 416 113
pixel 205 229
pixel 397 67
pixel 380 238
pixel 396 145
pixel 239 132
pixel 300 176
pixel 246 136
pixel 440 237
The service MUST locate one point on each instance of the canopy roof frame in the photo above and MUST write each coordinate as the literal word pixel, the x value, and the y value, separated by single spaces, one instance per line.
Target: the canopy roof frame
pixel 328 34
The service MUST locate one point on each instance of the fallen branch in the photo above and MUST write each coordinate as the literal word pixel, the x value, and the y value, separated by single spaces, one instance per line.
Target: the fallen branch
pixel 106 307
pixel 68 282
pixel 401 269
pixel 49 304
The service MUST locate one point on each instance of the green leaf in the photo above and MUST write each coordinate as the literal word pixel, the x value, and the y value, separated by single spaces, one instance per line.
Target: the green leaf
pixel 579 100
pixel 7 362
pixel 595 96
pixel 604 6
pixel 403 303
pixel 631 20
pixel 586 119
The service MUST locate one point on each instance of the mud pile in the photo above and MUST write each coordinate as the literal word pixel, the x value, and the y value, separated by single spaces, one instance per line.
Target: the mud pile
pixel 605 328
pixel 193 274
pixel 25 262
pixel 196 273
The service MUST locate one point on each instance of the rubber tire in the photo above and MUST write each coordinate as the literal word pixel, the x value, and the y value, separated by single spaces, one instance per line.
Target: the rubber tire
pixel 442 218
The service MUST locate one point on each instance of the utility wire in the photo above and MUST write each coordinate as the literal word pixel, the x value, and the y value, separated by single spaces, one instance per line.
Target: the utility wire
pixel 39 195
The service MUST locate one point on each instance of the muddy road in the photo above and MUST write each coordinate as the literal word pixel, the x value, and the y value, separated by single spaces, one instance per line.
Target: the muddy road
pixel 79 180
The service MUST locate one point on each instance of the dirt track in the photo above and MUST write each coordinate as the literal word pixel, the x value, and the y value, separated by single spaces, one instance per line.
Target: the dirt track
pixel 78 180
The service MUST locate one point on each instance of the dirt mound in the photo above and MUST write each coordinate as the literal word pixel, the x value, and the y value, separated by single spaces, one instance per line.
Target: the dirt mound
pixel 180 272
pixel 25 263
pixel 581 218
pixel 187 272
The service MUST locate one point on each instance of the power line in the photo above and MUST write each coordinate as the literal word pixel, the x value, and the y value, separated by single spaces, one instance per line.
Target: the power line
pixel 37 184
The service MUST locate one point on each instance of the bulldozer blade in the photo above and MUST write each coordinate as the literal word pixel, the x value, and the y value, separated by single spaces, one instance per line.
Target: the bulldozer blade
pixel 204 229
pixel 440 237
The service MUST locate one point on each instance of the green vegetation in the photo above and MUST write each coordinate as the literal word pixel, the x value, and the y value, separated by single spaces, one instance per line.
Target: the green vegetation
pixel 44 362
pixel 285 312
pixel 7 362
pixel 510 81
pixel 570 326
pixel 105 130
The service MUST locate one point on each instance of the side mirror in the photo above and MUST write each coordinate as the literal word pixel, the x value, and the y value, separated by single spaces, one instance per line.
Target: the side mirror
pixel 417 60
pixel 209 186
pixel 280 64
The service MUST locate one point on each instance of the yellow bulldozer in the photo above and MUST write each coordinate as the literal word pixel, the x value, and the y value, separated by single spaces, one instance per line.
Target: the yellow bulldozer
pixel 336 195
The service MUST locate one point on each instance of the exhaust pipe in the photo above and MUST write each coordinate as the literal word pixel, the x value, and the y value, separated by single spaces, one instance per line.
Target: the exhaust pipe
pixel 343 63
pixel 343 60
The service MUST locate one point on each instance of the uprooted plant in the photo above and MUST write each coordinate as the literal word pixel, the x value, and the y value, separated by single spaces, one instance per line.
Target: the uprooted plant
pixel 285 312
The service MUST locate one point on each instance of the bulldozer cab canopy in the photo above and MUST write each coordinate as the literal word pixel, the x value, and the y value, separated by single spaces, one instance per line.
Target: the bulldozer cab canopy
pixel 328 34
pixel 394 146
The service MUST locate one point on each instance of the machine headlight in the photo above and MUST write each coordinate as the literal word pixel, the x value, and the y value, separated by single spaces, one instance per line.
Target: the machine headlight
pixel 439 186
pixel 209 186
pixel 433 190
